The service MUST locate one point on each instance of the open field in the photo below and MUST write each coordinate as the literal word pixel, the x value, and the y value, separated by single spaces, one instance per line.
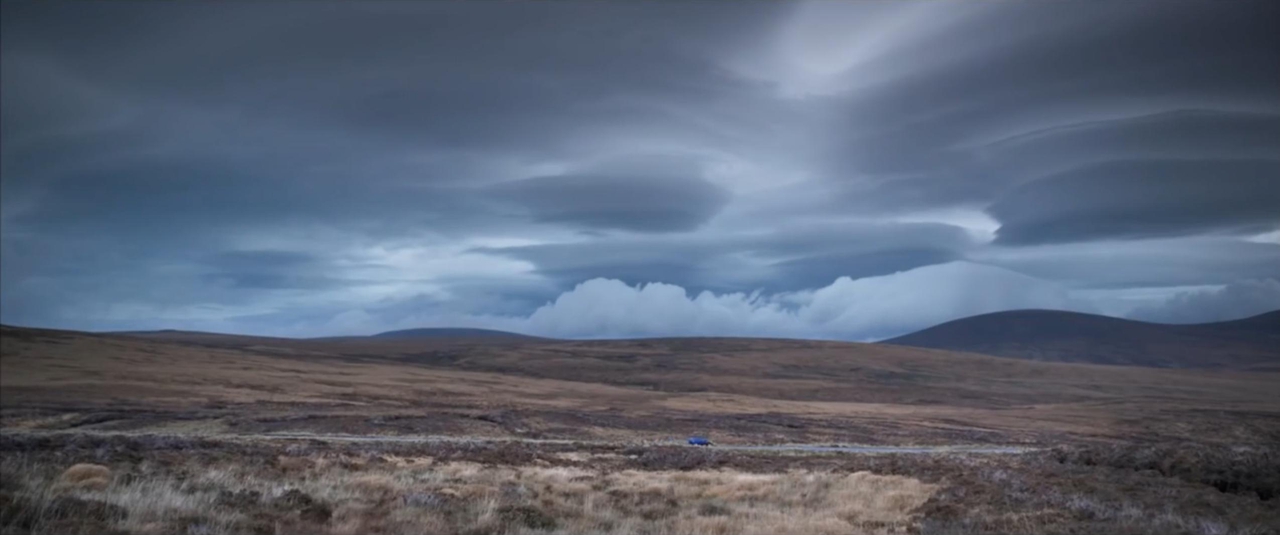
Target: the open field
pixel 575 437
pixel 743 391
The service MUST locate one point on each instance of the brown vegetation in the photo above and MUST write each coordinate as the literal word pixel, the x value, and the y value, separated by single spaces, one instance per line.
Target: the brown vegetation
pixel 85 476
pixel 175 485
pixel 740 390
pixel 423 495
pixel 1124 450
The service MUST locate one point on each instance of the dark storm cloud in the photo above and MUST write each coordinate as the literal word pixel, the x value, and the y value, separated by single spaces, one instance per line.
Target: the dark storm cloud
pixel 197 196
pixel 271 269
pixel 1145 198
pixel 504 76
pixel 1144 263
pixel 1220 135
pixel 262 259
pixel 294 168
pixel 343 113
pixel 649 195
pixel 787 258
pixel 1087 84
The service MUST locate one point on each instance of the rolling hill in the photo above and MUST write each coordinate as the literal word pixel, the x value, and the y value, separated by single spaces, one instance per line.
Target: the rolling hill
pixel 742 389
pixel 448 332
pixel 1049 335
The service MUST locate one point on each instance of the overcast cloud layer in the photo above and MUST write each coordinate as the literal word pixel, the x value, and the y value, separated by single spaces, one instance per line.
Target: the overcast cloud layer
pixel 829 169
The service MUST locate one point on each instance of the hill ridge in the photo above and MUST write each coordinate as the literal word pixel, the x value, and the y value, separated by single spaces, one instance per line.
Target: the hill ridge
pixel 1068 336
pixel 453 332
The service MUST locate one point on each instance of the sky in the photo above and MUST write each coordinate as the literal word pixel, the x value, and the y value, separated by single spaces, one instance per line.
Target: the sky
pixel 837 170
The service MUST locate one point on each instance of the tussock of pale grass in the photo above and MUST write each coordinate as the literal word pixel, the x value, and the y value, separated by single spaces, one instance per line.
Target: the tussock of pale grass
pixel 150 502
pixel 86 476
pixel 83 471
pixel 800 502
pixel 294 464
pixel 375 484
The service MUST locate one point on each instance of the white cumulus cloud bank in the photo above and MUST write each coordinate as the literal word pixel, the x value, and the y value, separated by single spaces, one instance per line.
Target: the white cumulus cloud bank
pixel 865 309
pixel 848 309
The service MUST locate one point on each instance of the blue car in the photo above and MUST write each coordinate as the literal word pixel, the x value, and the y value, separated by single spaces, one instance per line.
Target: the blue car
pixel 699 441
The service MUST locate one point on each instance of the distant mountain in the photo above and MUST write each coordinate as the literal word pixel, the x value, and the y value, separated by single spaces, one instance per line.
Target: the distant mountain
pixel 1049 335
pixel 446 332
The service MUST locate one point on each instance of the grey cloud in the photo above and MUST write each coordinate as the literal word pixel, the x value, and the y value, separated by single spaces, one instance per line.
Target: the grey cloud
pixel 650 200
pixel 817 270
pixel 628 261
pixel 271 269
pixel 814 255
pixel 429 76
pixel 1143 263
pixel 264 258
pixel 168 201
pixel 470 302
pixel 915 139
pixel 1203 133
pixel 787 258
pixel 1236 300
pixel 275 281
pixel 330 116
pixel 31 81
pixel 470 296
pixel 146 146
pixel 1145 198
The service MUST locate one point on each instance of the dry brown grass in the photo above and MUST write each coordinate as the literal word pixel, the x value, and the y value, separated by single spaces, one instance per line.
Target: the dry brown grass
pixel 85 472
pixel 743 390
pixel 219 486
pixel 464 497
pixel 291 465
pixel 85 476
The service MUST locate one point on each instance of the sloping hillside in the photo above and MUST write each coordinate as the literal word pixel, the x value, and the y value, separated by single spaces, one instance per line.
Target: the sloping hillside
pixel 448 332
pixel 1047 335
pixel 754 390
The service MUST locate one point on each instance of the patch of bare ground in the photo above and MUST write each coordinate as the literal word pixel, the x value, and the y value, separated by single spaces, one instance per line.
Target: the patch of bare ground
pixel 207 486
